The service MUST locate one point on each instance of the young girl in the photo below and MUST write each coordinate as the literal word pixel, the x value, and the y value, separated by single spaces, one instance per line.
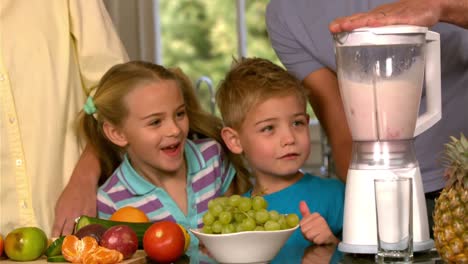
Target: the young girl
pixel 139 121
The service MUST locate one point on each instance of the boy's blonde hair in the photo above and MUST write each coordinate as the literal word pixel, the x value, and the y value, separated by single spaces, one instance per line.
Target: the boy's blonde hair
pixel 252 81
pixel 119 81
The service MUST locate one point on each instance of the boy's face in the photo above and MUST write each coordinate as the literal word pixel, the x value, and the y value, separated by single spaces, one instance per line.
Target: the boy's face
pixel 274 137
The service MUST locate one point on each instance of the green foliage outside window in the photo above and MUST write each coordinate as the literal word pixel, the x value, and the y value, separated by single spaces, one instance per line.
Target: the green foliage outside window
pixel 200 37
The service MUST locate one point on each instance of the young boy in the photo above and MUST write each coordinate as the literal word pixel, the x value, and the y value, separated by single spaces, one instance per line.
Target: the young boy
pixel 264 113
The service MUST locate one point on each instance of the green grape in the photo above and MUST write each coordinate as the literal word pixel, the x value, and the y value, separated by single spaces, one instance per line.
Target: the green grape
pixel 208 218
pixel 251 214
pixel 292 220
pixel 207 229
pixel 222 200
pixel 212 203
pixel 225 217
pixel 245 204
pixel 234 200
pixel 229 228
pixel 217 227
pixel 248 224
pixel 238 214
pixel 261 216
pixel 258 202
pixel 271 225
pixel 282 222
pixel 274 215
pixel 259 228
pixel 238 217
pixel 239 227
pixel 216 209
pixel 215 201
pixel 228 208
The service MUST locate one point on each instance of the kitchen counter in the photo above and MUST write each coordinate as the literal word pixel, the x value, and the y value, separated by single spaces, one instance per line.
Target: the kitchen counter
pixel 311 255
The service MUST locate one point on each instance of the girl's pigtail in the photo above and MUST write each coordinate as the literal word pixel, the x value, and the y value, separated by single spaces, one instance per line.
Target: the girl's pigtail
pixel 90 131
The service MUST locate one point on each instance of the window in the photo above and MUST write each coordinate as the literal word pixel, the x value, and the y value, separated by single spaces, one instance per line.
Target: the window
pixel 201 37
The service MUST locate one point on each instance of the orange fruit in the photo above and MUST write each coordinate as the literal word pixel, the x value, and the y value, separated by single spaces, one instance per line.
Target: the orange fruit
pixel 1 245
pixel 75 249
pixel 187 237
pixel 103 255
pixel 129 214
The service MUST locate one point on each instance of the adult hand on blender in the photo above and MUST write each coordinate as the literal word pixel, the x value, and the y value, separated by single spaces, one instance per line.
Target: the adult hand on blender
pixel 409 12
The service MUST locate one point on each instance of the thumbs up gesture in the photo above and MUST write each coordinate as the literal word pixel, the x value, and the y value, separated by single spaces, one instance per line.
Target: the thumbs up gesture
pixel 314 227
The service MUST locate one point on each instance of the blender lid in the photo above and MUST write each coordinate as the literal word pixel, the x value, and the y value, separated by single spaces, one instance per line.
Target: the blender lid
pixel 393 29
pixel 386 35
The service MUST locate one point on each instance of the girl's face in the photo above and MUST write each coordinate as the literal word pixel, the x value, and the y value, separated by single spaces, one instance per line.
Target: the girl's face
pixel 275 137
pixel 156 128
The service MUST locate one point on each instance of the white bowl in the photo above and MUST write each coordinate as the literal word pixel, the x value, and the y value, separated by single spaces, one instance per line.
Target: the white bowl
pixel 244 247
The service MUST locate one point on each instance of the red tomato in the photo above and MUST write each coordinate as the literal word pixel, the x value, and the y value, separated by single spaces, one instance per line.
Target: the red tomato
pixel 164 242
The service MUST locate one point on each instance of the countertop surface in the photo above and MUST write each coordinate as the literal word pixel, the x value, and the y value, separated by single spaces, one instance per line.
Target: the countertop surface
pixel 311 255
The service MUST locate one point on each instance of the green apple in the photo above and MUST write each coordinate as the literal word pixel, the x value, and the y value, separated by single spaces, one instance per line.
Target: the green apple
pixel 25 243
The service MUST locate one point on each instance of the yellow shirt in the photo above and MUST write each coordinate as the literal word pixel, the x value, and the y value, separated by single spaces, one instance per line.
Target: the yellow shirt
pixel 51 53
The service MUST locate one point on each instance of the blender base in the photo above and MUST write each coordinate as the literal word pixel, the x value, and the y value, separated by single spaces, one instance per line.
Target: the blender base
pixel 372 249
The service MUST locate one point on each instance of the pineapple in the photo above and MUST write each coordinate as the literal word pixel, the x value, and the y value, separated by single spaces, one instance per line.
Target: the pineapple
pixel 451 208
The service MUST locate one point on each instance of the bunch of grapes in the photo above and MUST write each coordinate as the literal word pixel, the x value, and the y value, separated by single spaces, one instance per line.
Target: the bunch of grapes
pixel 236 214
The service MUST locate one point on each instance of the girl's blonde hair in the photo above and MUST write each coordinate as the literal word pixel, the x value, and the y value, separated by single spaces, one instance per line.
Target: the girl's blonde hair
pixel 108 100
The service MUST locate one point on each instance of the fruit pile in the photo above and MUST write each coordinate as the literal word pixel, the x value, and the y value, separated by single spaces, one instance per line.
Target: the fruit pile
pixel 236 214
pixel 95 244
pixel 101 241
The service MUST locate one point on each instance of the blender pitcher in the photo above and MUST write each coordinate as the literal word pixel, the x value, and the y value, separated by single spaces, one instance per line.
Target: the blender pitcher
pixel 381 72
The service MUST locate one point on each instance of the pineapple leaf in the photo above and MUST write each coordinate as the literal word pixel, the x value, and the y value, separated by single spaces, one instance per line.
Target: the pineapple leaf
pixel 455 160
pixel 464 141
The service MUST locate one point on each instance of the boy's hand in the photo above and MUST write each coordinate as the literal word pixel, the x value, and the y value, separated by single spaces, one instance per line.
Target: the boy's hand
pixel 314 227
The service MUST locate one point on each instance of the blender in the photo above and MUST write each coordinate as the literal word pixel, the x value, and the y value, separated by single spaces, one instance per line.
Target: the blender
pixel 381 74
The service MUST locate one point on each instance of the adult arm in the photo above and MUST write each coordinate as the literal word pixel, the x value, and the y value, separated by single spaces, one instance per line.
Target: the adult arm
pixel 321 82
pixel 325 99
pixel 97 48
pixel 79 196
pixel 412 12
